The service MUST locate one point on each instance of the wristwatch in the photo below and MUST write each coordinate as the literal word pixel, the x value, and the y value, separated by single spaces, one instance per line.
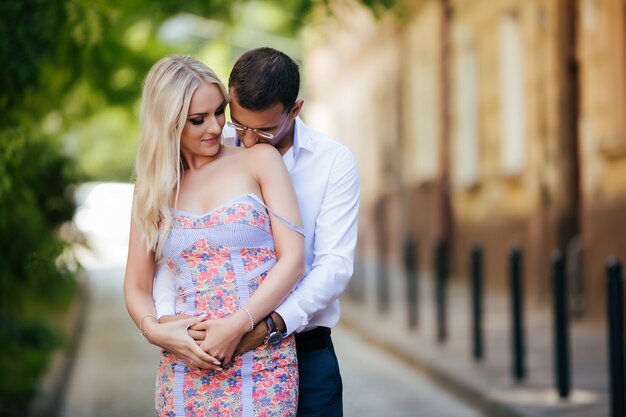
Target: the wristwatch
pixel 274 337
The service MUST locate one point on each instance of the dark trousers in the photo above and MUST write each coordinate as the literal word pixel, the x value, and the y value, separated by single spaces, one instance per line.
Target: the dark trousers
pixel 320 379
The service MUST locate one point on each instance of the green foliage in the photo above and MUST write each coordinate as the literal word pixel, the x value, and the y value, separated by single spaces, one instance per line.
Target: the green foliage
pixel 30 29
pixel 33 280
pixel 26 347
pixel 70 60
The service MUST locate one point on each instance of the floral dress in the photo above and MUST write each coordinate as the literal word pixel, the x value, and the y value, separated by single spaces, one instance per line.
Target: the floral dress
pixel 219 259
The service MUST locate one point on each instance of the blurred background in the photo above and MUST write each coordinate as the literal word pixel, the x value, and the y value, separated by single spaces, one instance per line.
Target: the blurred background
pixel 491 143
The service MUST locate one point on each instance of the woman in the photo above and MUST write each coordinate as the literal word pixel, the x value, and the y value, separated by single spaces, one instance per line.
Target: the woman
pixel 200 208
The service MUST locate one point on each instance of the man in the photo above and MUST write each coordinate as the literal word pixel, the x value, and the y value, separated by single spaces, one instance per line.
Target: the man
pixel 264 108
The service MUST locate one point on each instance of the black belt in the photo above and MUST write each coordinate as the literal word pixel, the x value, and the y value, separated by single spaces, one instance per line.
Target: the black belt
pixel 312 340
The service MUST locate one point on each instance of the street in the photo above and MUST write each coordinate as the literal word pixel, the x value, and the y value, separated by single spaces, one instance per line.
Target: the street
pixel 115 367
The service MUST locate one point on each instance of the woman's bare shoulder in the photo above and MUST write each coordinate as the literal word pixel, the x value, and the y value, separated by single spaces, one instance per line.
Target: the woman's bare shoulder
pixel 263 152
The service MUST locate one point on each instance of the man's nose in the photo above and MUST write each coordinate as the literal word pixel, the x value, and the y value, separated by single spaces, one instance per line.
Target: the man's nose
pixel 249 138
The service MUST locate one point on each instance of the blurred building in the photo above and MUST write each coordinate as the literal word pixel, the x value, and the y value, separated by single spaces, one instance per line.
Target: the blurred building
pixel 473 121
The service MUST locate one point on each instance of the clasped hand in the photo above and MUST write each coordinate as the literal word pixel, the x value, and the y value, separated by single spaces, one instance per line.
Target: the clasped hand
pixel 171 334
pixel 250 340
pixel 221 337
pixel 213 342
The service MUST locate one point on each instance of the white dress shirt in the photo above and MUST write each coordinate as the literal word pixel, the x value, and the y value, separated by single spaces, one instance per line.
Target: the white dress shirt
pixel 326 180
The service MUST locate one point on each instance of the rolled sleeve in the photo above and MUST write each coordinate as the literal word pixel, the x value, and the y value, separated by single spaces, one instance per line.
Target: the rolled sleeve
pixel 164 291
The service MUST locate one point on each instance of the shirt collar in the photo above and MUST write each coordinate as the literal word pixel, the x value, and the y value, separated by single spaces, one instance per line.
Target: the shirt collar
pixel 301 138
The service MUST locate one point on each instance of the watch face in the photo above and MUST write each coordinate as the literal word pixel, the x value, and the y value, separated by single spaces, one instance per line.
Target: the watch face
pixel 274 339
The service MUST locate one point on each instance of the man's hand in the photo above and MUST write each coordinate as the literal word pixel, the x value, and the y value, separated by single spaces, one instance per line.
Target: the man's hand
pixel 253 339
pixel 249 341
pixel 256 337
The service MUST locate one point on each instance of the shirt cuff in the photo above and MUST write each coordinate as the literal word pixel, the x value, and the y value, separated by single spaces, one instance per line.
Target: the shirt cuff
pixel 165 309
pixel 290 311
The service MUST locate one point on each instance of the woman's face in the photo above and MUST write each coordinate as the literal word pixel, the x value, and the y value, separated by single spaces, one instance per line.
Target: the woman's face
pixel 202 132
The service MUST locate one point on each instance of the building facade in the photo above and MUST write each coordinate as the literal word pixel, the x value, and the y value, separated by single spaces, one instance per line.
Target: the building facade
pixel 501 124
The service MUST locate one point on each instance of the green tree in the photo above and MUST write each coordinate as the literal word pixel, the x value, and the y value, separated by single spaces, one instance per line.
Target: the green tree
pixel 71 70
pixel 69 82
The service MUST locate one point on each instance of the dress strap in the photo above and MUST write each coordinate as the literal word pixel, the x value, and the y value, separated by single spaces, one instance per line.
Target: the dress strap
pixel 282 219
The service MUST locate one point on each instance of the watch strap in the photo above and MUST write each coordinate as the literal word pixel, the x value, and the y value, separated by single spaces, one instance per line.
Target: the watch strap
pixel 273 337
pixel 271 326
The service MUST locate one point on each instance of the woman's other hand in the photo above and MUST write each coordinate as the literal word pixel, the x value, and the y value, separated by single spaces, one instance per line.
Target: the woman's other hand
pixel 171 335
pixel 223 335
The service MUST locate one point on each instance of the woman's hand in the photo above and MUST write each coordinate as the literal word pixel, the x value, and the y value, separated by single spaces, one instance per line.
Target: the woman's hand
pixel 172 336
pixel 223 335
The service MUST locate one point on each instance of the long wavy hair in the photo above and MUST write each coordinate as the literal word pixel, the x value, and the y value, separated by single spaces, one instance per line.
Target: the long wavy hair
pixel 167 91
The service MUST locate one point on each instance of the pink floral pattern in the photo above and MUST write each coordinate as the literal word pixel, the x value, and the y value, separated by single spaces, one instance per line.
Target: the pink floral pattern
pixel 164 398
pixel 255 257
pixel 236 213
pixel 210 286
pixel 214 393
pixel 212 271
pixel 279 370
pixel 254 282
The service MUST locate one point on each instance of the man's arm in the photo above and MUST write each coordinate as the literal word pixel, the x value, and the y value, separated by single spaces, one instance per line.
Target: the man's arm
pixel 164 291
pixel 253 339
pixel 335 241
pixel 333 263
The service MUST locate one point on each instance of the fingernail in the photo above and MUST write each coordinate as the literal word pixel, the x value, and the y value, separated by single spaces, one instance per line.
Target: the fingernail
pixel 217 362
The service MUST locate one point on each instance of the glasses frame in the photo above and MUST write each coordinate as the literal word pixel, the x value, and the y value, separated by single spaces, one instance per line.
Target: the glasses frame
pixel 265 135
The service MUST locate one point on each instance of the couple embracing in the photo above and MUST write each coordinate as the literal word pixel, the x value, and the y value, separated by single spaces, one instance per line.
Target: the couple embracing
pixel 238 252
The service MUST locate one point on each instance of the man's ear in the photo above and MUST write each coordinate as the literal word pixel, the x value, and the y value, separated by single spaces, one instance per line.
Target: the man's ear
pixel 297 107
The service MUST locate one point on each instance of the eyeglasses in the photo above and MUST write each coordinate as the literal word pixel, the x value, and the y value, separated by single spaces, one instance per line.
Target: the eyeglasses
pixel 260 133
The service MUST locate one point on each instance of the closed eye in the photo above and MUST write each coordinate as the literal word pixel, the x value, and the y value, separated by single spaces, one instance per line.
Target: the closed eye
pixel 198 121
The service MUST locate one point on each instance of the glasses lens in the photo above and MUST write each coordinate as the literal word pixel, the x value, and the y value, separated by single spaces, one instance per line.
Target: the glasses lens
pixel 236 126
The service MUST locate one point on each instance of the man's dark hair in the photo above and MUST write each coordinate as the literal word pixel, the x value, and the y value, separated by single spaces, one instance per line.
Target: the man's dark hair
pixel 263 77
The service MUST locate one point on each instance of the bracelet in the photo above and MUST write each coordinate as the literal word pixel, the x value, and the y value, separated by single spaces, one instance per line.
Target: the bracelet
pixel 141 323
pixel 250 317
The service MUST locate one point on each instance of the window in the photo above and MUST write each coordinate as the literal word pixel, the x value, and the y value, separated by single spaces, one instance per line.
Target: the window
pixel 467 140
pixel 513 129
pixel 426 122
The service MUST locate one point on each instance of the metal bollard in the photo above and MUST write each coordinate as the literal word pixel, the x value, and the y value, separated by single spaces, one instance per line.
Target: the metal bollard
pixel 561 326
pixel 476 274
pixel 615 310
pixel 515 274
pixel 356 285
pixel 383 284
pixel 441 273
pixel 411 267
pixel 352 288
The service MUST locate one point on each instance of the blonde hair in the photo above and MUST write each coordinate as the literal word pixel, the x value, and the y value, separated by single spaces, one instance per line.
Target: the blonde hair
pixel 167 92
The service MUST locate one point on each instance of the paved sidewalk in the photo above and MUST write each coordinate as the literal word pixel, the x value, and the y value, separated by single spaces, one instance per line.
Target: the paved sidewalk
pixel 115 369
pixel 488 384
pixel 378 384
